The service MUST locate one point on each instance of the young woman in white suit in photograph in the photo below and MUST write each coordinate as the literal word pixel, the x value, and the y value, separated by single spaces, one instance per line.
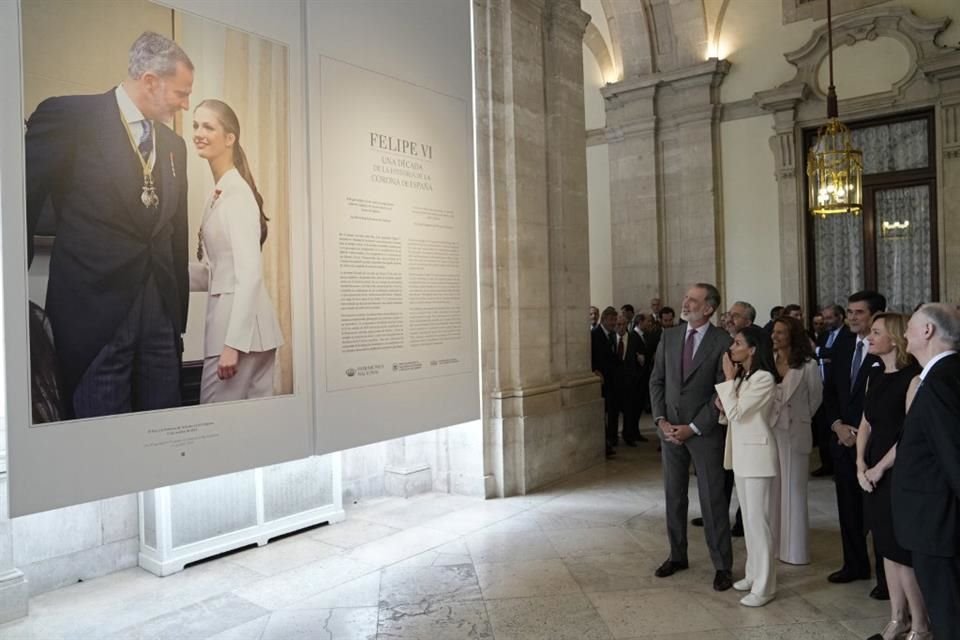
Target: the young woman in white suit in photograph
pixel 746 399
pixel 241 332
pixel 798 396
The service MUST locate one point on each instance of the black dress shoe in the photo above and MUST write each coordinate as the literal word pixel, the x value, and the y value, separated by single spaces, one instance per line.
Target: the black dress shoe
pixel 821 473
pixel 844 576
pixel 669 567
pixel 630 443
pixel 697 522
pixel 722 581
pixel 643 438
pixel 611 452
pixel 880 592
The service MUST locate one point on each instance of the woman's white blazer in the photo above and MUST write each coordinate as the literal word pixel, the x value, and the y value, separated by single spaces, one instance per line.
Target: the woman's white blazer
pixel 751 450
pixel 239 311
pixel 798 398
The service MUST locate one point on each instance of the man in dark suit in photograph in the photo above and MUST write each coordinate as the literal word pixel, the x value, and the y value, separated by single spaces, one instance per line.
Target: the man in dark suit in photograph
pixel 843 408
pixel 115 177
pixel 686 368
pixel 925 492
pixel 603 359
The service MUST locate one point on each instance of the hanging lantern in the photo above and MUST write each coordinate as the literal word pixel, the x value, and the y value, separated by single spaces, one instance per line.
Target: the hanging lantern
pixel 835 172
pixel 834 167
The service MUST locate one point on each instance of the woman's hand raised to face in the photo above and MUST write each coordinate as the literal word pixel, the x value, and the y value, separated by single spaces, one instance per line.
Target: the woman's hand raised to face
pixel 729 367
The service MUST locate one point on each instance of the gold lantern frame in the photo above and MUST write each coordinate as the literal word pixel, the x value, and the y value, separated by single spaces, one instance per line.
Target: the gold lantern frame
pixel 834 166
pixel 835 172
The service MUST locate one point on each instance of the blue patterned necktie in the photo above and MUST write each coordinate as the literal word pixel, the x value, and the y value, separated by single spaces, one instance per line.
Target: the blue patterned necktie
pixel 855 365
pixel 146 140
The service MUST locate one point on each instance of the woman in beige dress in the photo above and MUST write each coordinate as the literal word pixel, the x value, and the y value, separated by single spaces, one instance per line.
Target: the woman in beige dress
pixel 798 396
pixel 241 333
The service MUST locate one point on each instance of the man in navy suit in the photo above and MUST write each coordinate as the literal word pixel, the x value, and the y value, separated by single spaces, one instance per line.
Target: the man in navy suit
pixel 925 492
pixel 115 177
pixel 843 408
pixel 835 337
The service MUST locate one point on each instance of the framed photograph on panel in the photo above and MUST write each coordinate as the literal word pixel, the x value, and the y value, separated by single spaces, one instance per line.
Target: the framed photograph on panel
pixel 154 240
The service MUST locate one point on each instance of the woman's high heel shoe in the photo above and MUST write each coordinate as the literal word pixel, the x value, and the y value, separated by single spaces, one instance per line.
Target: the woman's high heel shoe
pixel 895 630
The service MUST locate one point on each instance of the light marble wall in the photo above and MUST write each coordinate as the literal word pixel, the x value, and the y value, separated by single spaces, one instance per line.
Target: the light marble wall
pixel 601 257
pixel 454 456
pixel 63 546
pixel 750 212
pixel 598 183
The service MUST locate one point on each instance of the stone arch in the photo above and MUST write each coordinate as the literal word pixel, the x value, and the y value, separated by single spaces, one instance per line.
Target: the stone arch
pixel 653 36
pixel 593 40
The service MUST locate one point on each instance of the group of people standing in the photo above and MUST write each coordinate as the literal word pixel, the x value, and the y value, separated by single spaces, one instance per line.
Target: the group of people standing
pixel 745 400
pixel 622 348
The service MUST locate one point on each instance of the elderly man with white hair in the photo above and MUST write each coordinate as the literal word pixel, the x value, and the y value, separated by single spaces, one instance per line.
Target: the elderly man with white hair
pixel 926 475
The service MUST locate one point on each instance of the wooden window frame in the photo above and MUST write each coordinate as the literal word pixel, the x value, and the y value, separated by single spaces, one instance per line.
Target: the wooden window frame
pixel 871 184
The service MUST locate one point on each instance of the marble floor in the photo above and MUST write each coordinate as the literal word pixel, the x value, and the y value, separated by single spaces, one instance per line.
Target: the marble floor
pixel 574 562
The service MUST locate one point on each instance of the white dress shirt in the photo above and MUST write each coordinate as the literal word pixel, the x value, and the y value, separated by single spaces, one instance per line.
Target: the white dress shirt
pixel 132 115
pixel 934 360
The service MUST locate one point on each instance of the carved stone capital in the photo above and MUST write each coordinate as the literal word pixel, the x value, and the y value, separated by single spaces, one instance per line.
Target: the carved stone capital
pixel 786 97
pixel 564 17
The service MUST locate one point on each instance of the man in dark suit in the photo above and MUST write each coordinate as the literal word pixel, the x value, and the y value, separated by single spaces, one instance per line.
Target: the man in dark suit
pixel 925 492
pixel 685 370
pixel 603 359
pixel 115 177
pixel 644 327
pixel 834 337
pixel 626 379
pixel 843 409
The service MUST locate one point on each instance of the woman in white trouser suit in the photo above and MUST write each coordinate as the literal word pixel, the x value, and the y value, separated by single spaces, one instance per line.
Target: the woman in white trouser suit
pixel 798 396
pixel 241 333
pixel 746 399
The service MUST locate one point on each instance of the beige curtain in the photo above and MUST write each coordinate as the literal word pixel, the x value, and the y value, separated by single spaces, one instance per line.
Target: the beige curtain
pixel 250 74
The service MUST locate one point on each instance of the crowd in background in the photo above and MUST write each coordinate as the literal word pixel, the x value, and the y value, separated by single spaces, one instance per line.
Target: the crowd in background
pixel 877 394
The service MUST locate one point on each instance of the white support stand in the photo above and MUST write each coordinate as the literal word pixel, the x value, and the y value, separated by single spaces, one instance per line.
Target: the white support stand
pixel 184 523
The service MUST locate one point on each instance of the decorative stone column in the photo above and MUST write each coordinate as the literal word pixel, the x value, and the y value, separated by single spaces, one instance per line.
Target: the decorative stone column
pixel 634 191
pixel 945 71
pixel 949 178
pixel 782 103
pixel 542 412
pixel 665 196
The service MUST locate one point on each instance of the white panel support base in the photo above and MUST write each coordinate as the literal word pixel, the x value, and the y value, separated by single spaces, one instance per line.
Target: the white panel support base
pixel 173 562
pixel 164 519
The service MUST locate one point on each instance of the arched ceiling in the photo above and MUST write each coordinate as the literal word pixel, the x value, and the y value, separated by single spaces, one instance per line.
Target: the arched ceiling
pixel 653 36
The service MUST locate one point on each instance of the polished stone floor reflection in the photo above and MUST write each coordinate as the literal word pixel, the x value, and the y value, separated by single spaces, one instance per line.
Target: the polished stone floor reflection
pixel 572 562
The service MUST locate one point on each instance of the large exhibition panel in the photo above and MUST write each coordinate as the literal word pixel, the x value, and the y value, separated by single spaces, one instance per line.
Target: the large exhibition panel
pixel 356 127
pixel 391 150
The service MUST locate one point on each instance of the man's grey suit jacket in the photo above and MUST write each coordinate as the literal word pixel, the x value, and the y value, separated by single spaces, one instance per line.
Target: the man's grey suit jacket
pixel 689 399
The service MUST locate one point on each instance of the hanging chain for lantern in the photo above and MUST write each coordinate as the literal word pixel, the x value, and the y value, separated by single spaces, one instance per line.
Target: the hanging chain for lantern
pixel 834 166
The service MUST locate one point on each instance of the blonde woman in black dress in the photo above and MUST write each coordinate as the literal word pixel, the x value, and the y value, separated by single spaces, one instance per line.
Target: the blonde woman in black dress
pixel 890 389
